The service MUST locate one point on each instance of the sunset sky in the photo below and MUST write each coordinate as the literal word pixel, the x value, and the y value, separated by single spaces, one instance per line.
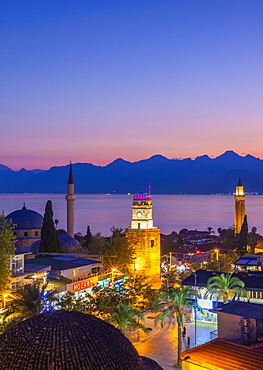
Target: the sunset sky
pixel 94 80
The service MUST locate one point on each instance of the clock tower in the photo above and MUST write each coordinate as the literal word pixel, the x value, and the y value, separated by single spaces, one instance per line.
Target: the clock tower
pixel 142 212
pixel 145 239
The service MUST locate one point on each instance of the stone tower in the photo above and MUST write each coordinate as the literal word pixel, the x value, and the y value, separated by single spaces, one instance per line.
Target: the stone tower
pixel 145 238
pixel 240 212
pixel 70 198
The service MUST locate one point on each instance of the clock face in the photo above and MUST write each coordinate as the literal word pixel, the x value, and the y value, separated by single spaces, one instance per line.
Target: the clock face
pixel 148 214
pixel 139 214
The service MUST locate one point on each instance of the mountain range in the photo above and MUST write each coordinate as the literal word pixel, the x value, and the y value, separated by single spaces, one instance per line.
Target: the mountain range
pixel 202 175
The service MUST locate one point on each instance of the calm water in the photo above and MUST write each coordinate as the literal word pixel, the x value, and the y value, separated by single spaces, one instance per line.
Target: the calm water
pixel 170 212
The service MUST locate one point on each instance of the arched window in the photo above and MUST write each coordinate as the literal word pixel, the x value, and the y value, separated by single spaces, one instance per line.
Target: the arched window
pixel 25 233
pixel 36 233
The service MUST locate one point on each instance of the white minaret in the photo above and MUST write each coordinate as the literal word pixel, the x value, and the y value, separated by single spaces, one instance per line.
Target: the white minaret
pixel 70 198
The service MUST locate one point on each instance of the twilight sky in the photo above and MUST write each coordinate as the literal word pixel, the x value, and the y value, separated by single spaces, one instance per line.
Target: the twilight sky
pixel 94 80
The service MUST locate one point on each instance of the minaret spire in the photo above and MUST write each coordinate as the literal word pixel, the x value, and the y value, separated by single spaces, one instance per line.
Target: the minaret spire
pixel 70 198
pixel 70 175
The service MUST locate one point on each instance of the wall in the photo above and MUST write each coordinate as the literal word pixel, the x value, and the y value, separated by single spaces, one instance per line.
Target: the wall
pixel 146 244
pixel 229 327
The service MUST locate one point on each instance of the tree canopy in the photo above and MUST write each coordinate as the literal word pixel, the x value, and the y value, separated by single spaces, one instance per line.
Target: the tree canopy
pixel 49 240
pixel 225 286
pixel 7 250
pixel 118 253
pixel 173 305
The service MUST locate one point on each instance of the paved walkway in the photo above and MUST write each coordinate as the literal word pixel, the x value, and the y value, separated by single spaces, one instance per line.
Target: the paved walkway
pixel 161 344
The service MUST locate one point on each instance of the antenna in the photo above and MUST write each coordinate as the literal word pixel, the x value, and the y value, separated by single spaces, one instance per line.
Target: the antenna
pixel 149 188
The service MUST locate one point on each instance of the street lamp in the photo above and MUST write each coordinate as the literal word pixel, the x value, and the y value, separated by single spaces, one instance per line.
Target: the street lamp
pixel 195 305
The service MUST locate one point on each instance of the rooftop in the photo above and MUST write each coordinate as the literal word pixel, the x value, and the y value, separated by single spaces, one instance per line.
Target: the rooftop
pixel 243 309
pixel 69 340
pixel 252 282
pixel 220 354
pixel 60 263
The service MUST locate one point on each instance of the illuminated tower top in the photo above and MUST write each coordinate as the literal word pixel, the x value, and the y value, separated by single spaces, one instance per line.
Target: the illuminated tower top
pixel 239 189
pixel 142 212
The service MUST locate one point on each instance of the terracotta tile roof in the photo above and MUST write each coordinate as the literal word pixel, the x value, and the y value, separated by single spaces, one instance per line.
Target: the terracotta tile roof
pixel 220 354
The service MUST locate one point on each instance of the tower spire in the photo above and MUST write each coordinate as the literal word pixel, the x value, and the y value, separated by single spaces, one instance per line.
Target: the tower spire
pixel 70 175
pixel 70 198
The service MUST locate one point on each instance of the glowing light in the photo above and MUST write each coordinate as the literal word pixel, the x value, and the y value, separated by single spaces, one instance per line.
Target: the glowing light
pixel 137 264
pixel 205 303
pixel 142 196
pixel 240 190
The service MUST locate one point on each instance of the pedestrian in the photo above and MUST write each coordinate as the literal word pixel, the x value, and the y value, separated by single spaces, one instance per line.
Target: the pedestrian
pixel 184 332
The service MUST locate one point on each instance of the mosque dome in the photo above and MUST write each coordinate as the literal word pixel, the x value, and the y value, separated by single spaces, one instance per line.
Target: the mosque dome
pixel 26 219
pixel 68 243
pixel 68 340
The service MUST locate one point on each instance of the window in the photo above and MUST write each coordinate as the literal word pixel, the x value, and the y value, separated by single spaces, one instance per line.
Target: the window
pixel 152 243
pixel 16 267
pixel 15 286
pixel 253 294
pixel 25 233
pixel 36 233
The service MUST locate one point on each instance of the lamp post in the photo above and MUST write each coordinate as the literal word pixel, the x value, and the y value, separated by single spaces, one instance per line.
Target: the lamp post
pixel 195 305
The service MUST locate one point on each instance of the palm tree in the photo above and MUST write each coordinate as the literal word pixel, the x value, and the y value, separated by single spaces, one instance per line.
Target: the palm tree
pixel 127 318
pixel 173 304
pixel 225 286
pixel 29 300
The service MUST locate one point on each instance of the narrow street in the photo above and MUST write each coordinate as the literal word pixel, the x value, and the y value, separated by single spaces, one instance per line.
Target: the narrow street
pixel 161 344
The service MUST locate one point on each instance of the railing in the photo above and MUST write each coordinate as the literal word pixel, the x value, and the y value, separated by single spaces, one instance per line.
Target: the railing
pixel 79 278
pixel 142 196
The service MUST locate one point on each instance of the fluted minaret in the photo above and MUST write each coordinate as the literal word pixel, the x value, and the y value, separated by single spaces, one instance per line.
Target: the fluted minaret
pixel 70 198
pixel 240 211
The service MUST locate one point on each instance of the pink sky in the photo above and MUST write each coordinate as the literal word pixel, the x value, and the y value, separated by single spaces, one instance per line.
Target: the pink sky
pixel 94 81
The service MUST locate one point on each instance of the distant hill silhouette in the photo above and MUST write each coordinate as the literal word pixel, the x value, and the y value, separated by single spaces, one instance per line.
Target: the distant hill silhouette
pixel 202 175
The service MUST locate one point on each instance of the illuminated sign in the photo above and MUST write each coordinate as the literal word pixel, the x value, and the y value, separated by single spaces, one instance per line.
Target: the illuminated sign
pixel 82 285
pixel 205 303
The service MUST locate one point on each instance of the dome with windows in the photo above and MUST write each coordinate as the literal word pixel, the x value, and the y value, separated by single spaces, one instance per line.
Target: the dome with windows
pixel 27 228
pixel 26 219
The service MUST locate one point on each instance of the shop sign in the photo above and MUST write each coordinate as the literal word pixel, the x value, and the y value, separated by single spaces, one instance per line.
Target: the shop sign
pixel 82 285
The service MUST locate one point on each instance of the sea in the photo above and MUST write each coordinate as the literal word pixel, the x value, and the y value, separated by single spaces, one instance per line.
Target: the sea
pixel 170 212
